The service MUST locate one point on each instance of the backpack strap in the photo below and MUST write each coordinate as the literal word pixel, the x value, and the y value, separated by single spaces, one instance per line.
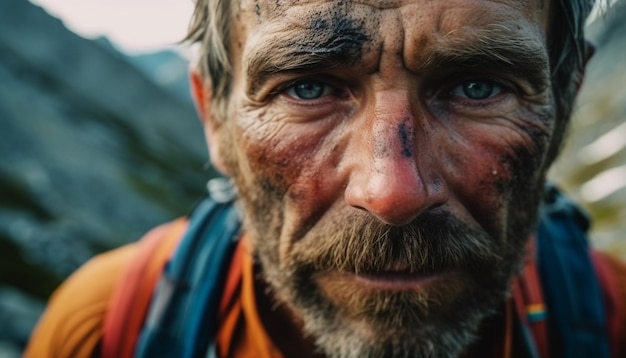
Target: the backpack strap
pixel 131 297
pixel 576 314
pixel 530 307
pixel 608 269
pixel 182 319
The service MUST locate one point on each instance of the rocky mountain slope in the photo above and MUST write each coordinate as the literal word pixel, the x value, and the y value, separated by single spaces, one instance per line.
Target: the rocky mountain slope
pixel 93 153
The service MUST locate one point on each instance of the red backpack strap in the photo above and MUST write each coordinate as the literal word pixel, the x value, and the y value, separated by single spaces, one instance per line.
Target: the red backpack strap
pixel 530 305
pixel 132 294
pixel 611 273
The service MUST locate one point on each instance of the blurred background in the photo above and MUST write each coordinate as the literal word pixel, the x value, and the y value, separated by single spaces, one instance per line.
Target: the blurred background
pixel 99 139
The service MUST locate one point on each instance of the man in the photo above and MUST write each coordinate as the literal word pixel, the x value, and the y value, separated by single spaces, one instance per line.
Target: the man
pixel 389 158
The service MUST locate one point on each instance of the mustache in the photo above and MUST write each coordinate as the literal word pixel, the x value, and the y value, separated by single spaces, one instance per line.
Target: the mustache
pixel 433 242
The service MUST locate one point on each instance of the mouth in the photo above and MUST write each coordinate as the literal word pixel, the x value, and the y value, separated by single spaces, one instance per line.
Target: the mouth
pixel 391 295
pixel 395 280
pixel 386 280
pixel 396 276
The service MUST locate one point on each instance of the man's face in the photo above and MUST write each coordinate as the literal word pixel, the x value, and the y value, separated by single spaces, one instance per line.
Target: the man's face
pixel 389 157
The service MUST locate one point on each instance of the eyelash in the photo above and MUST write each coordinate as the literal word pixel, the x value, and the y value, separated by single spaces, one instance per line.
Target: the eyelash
pixel 332 89
pixel 439 89
pixel 326 89
pixel 445 89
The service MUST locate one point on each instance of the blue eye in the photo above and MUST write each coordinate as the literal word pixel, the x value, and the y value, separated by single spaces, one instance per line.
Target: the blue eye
pixel 309 90
pixel 477 89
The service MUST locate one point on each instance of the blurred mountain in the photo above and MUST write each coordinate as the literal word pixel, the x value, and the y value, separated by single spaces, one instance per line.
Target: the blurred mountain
pixel 96 149
pixel 593 166
pixel 167 68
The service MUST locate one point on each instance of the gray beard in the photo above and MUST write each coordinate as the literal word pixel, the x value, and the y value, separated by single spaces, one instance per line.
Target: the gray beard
pixel 427 324
pixel 335 341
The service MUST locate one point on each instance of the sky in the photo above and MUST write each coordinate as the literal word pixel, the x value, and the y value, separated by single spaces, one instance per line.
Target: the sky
pixel 134 26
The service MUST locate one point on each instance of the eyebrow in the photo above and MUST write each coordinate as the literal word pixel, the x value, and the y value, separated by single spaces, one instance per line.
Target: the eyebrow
pixel 496 49
pixel 303 54
pixel 493 51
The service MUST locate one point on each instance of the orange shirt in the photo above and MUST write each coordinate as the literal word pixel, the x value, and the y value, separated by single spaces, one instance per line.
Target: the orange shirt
pixel 71 326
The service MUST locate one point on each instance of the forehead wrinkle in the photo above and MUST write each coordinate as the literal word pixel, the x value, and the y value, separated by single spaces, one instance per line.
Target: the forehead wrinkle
pixel 290 43
pixel 296 46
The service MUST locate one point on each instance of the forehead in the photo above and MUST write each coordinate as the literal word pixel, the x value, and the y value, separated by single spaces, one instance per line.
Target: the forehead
pixel 267 9
pixel 366 28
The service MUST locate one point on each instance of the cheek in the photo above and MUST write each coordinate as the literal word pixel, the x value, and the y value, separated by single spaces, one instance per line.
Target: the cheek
pixel 490 164
pixel 292 162
pixel 292 180
pixel 479 181
pixel 275 159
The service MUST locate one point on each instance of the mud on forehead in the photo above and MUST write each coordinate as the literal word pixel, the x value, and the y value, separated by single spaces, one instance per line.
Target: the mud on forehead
pixel 322 23
pixel 325 24
pixel 316 35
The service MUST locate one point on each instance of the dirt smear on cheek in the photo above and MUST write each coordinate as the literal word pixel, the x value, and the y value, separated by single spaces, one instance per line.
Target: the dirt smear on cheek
pixel 523 165
pixel 269 169
pixel 526 161
pixel 527 168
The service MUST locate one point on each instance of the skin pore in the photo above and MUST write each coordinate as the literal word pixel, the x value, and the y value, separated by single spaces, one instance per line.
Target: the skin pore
pixel 390 158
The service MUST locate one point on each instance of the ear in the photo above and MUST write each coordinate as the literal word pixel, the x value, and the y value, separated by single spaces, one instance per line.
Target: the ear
pixel 590 49
pixel 201 92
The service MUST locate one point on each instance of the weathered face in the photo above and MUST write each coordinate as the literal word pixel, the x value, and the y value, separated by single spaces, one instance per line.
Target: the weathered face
pixel 389 157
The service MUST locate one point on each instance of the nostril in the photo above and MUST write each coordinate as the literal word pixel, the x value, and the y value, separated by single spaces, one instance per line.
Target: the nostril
pixel 359 207
pixel 389 208
pixel 395 199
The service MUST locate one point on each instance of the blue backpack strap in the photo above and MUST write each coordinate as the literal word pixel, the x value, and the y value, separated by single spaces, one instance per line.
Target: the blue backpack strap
pixel 576 320
pixel 182 320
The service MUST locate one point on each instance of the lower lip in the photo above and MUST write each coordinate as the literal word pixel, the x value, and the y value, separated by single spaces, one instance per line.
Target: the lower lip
pixel 395 281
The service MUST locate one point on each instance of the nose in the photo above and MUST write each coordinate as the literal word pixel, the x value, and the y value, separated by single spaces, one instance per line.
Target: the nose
pixel 395 176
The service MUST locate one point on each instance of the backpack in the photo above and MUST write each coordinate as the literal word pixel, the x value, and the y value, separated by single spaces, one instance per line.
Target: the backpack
pixel 177 317
pixel 166 302
pixel 568 299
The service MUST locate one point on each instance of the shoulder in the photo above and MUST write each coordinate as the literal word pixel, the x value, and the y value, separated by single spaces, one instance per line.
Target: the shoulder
pixel 80 309
pixel 71 325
